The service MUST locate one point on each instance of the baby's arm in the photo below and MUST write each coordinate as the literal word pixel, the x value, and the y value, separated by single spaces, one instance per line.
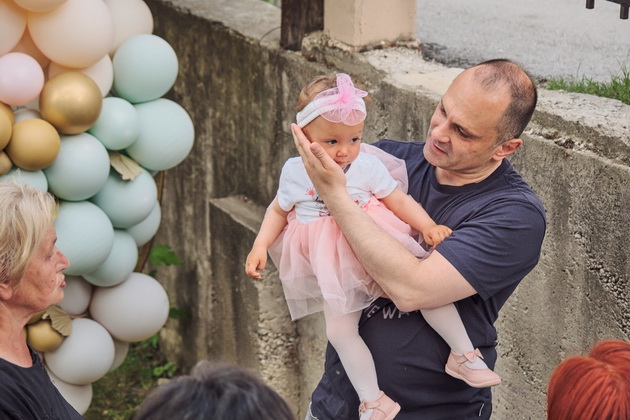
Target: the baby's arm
pixel 275 220
pixel 412 213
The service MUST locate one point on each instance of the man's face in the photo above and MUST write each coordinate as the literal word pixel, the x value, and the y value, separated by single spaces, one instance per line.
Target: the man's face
pixel 462 136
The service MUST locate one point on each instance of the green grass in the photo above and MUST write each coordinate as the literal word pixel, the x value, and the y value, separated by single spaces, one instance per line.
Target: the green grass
pixel 617 88
pixel 117 395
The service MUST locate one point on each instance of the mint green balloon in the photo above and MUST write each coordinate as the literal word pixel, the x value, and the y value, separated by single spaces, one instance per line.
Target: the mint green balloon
pixel 119 264
pixel 118 125
pixel 145 68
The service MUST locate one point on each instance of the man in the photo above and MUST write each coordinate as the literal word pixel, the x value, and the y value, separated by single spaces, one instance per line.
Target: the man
pixel 461 176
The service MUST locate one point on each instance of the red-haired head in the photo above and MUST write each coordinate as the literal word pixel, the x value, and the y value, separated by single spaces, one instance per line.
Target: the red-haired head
pixel 593 387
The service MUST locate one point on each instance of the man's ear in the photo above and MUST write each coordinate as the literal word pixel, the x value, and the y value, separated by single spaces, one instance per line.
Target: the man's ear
pixel 506 148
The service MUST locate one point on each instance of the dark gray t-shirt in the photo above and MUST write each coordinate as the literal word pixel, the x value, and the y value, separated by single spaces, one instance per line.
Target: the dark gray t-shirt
pixel 498 228
pixel 29 394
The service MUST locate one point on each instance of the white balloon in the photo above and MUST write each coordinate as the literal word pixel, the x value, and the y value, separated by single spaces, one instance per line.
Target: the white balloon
pixel 144 231
pixel 121 350
pixel 78 396
pixel 132 311
pixel 26 113
pixel 76 296
pixel 119 264
pixel 85 355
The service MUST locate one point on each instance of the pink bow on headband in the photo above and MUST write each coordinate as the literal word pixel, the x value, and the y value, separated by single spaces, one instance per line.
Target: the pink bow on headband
pixel 342 103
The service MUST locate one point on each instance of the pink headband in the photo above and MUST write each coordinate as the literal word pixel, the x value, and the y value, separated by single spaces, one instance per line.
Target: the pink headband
pixel 342 103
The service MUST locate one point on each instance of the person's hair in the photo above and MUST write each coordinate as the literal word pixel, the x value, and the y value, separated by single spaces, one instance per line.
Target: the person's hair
pixel 503 73
pixel 596 386
pixel 317 85
pixel 26 216
pixel 215 391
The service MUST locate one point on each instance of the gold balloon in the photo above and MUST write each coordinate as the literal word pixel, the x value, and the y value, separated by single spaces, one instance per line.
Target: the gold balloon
pixel 5 130
pixel 5 163
pixel 71 101
pixel 42 336
pixel 34 144
pixel 6 109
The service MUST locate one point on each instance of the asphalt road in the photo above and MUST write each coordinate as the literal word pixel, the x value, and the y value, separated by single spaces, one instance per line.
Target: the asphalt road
pixel 550 38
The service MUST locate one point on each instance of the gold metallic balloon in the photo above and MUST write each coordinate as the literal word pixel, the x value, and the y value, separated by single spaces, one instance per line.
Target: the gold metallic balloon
pixel 5 130
pixel 5 163
pixel 71 101
pixel 34 144
pixel 42 336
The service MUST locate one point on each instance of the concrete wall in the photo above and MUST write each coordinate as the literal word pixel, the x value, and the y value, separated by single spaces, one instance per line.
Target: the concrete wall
pixel 240 90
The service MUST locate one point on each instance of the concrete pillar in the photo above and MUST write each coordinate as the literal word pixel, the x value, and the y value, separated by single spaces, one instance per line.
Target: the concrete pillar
pixel 364 22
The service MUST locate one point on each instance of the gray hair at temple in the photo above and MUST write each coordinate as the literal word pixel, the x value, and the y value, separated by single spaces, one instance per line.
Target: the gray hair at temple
pixel 503 73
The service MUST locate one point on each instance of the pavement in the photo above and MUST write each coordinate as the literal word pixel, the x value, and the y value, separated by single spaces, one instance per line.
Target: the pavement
pixel 550 38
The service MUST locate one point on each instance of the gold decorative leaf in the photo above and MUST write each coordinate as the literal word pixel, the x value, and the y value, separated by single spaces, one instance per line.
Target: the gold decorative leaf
pixel 125 166
pixel 59 320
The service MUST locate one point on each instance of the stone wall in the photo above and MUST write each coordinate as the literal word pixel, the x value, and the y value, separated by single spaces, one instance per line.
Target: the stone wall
pixel 240 88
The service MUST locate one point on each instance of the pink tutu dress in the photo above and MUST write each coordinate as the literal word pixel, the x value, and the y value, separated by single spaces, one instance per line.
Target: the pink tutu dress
pixel 314 260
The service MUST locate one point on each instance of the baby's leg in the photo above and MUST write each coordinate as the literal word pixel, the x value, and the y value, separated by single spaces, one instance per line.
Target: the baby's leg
pixel 463 362
pixel 446 321
pixel 343 334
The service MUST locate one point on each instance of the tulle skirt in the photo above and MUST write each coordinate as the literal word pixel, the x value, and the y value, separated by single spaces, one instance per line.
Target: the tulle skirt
pixel 316 264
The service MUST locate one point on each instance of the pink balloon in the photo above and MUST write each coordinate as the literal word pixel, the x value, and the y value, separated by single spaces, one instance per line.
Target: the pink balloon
pixel 131 17
pixel 12 25
pixel 21 78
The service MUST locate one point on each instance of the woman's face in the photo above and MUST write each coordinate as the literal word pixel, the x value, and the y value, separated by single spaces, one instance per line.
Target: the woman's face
pixel 43 281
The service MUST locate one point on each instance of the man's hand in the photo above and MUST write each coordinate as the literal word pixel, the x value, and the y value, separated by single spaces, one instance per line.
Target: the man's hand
pixel 327 177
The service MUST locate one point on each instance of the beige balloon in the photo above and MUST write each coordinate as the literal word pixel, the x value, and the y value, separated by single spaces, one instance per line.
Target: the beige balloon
pixel 34 144
pixel 71 101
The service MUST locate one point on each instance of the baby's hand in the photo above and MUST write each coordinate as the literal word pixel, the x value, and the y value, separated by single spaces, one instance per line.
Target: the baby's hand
pixel 436 234
pixel 256 261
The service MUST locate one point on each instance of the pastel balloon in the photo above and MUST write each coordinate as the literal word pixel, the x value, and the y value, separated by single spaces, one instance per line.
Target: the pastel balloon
pixel 12 25
pixel 6 127
pixel 77 295
pixel 35 179
pixel 27 46
pixel 166 135
pixel 78 396
pixel 118 125
pixel 34 144
pixel 85 355
pixel 76 34
pixel 119 263
pixel 101 72
pixel 131 17
pixel 81 168
pixel 84 234
pixel 22 114
pixel 39 5
pixel 8 112
pixel 127 203
pixel 5 163
pixel 140 299
pixel 121 350
pixel 71 101
pixel 145 68
pixel 147 228
pixel 21 78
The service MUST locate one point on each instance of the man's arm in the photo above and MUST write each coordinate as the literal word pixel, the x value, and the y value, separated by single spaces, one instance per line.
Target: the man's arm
pixel 410 283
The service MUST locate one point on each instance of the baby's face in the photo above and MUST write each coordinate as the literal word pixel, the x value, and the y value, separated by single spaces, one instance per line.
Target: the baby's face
pixel 341 142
